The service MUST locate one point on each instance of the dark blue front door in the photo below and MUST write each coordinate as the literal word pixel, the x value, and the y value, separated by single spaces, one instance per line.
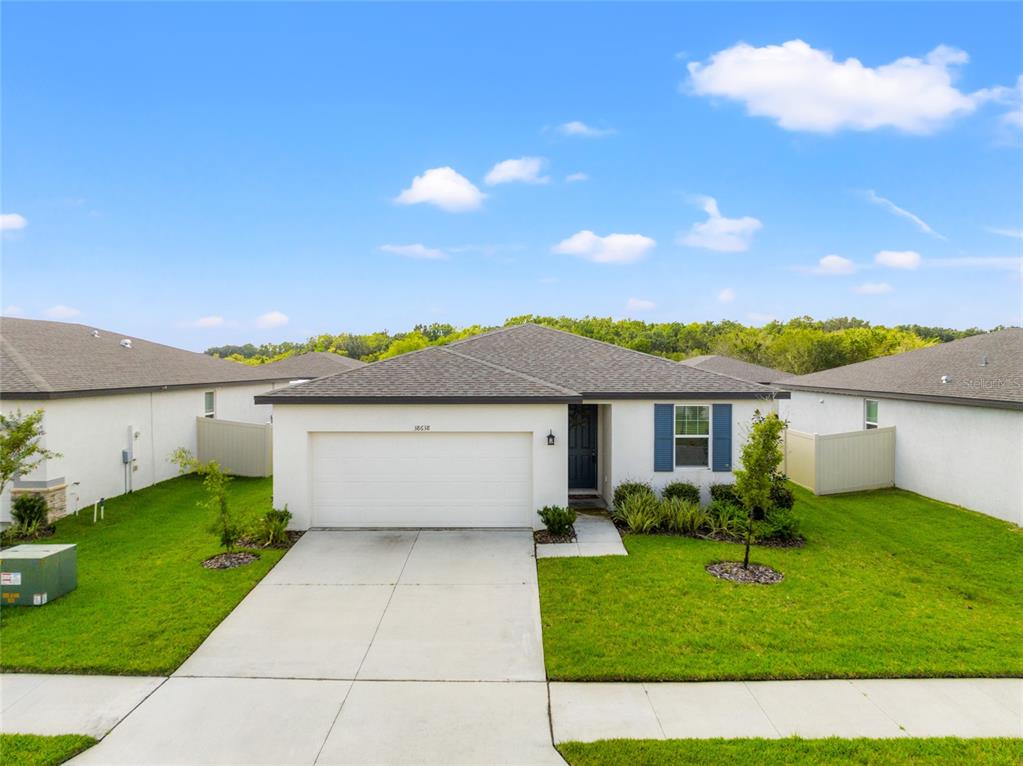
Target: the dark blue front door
pixel 582 446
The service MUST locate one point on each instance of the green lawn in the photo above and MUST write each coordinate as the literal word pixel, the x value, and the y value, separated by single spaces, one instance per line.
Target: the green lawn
pixel 794 752
pixel 889 584
pixel 143 602
pixel 33 750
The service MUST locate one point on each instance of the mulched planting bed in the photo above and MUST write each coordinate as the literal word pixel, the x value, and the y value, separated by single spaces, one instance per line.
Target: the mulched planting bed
pixel 542 537
pixel 230 560
pixel 757 574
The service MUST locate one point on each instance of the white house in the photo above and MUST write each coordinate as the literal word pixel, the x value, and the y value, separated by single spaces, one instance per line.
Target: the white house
pixel 115 406
pixel 957 409
pixel 485 431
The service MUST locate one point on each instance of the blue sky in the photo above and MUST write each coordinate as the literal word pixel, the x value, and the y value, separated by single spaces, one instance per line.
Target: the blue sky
pixel 202 174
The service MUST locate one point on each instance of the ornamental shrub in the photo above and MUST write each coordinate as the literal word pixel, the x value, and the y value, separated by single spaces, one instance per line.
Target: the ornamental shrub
pixel 640 512
pixel 724 493
pixel 628 488
pixel 29 510
pixel 557 519
pixel 272 528
pixel 683 490
pixel 683 517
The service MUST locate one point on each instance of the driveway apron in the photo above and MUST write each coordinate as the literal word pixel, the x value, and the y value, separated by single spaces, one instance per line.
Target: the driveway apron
pixel 395 646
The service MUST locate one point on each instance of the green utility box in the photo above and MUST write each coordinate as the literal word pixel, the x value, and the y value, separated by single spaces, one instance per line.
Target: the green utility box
pixel 33 575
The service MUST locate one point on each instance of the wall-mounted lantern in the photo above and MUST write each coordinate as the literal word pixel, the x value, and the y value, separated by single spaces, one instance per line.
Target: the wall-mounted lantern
pixel 550 439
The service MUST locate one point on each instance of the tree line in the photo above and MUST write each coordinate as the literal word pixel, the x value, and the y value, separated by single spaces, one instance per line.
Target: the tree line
pixel 798 346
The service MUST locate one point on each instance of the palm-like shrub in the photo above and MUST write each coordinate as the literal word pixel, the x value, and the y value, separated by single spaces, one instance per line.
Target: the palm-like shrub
pixel 29 510
pixel 272 528
pixel 727 520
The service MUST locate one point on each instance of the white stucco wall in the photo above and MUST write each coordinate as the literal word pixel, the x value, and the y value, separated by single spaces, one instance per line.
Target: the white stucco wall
pixel 632 437
pixel 294 423
pixel 91 431
pixel 968 456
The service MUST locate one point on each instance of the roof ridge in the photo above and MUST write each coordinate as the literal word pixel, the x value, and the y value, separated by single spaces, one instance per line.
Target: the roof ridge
pixel 510 371
pixel 26 367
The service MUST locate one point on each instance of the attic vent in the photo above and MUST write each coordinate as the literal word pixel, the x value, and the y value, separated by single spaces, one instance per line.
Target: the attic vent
pixel 95 333
pixel 946 378
pixel 125 343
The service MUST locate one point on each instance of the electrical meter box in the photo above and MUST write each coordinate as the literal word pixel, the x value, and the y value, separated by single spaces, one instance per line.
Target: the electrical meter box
pixel 33 575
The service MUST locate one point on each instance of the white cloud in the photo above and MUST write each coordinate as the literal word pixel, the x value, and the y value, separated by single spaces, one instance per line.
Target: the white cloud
pixel 724 235
pixel 210 321
pixel 639 304
pixel 727 295
pixel 1013 233
pixel 271 319
pixel 577 128
pixel 13 311
pixel 873 288
pixel 417 250
pixel 891 207
pixel 834 265
pixel 576 177
pixel 898 259
pixel 523 170
pixel 60 311
pixel 445 188
pixel 614 248
pixel 807 89
pixel 12 222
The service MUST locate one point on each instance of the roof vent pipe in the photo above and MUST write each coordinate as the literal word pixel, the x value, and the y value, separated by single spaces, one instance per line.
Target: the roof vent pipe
pixel 946 378
pixel 983 361
pixel 125 343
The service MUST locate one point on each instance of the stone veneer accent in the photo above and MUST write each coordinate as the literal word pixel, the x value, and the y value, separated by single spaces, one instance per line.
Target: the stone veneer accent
pixel 56 498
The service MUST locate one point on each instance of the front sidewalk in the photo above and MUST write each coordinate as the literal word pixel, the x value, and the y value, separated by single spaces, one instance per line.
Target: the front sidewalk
pixel 901 707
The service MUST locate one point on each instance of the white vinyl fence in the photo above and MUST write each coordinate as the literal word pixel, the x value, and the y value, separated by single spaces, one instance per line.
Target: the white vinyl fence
pixel 847 462
pixel 242 449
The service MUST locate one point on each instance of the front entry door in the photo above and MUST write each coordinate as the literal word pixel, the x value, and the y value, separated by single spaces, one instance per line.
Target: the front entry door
pixel 582 446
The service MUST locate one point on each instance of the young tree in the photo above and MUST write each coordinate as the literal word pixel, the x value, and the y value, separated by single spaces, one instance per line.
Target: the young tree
pixel 761 459
pixel 214 481
pixel 20 451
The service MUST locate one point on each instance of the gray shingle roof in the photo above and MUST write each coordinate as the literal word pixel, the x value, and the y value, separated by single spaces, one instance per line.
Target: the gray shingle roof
pixel 980 370
pixel 42 360
pixel 429 375
pixel 518 363
pixel 726 365
pixel 314 364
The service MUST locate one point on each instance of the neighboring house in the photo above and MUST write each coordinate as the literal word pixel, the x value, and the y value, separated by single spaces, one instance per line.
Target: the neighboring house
pixel 116 406
pixel 309 366
pixel 484 431
pixel 957 409
pixel 736 368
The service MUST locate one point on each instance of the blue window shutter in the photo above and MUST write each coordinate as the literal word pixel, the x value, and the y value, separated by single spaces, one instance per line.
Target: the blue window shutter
pixel 664 437
pixel 721 459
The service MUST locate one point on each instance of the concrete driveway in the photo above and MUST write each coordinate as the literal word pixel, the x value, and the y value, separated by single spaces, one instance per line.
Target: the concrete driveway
pixel 363 647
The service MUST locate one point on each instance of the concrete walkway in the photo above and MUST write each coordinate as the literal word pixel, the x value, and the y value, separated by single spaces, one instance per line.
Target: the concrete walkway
pixel 595 535
pixel 870 708
pixel 363 647
pixel 52 704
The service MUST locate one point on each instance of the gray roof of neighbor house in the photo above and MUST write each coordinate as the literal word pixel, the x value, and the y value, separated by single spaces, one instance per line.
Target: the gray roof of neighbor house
pixel 525 362
pixel 737 368
pixel 982 370
pixel 314 364
pixel 48 360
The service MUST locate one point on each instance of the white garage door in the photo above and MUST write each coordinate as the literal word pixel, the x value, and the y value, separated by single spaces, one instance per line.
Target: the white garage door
pixel 422 480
